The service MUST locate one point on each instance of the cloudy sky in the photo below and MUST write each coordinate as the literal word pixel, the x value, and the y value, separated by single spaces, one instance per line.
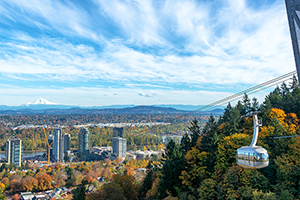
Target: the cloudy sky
pixel 143 52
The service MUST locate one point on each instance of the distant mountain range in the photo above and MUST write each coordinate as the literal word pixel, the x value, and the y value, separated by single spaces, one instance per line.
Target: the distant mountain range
pixel 43 106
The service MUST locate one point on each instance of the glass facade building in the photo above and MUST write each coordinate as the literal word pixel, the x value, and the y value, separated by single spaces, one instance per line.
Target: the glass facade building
pixel 14 151
pixel 67 143
pixel 119 143
pixel 58 146
pixel 83 143
pixel 118 132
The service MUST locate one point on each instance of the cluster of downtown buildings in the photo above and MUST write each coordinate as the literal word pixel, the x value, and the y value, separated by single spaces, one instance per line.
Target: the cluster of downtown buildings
pixel 60 144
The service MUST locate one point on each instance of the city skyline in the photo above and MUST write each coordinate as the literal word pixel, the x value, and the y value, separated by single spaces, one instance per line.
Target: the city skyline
pixel 140 52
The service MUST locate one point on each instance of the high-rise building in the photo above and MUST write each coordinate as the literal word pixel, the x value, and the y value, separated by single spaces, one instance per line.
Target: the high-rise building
pixel 84 143
pixel 117 146
pixel 124 147
pixel 67 143
pixel 118 132
pixel 119 143
pixel 14 151
pixel 58 146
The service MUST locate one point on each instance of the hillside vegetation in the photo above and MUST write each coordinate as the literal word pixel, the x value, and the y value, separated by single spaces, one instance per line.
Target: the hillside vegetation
pixel 203 166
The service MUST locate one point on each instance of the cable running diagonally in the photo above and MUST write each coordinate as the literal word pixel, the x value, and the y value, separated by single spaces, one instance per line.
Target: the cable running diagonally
pixel 241 96
pixel 251 90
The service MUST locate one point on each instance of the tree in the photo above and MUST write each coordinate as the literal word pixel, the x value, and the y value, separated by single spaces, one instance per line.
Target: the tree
pixel 126 182
pixel 100 194
pixel 146 184
pixel 258 195
pixel 195 129
pixel 76 177
pixel 2 188
pixel 44 181
pixel 185 143
pixel 28 183
pixel 208 189
pixel 91 177
pixel 60 178
pixel 196 169
pixel 112 191
pixel 153 192
pixel 79 192
pixel 15 185
pixel 170 173
pixel 5 181
pixel 255 105
pixel 2 197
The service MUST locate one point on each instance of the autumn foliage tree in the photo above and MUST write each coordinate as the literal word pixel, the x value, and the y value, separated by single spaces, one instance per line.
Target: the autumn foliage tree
pixel 60 178
pixel 44 181
pixel 29 183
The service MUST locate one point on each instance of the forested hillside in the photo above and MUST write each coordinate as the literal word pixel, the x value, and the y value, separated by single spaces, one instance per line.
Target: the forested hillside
pixel 203 166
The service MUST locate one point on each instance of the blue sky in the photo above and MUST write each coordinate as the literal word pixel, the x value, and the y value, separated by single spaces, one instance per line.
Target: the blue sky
pixel 99 52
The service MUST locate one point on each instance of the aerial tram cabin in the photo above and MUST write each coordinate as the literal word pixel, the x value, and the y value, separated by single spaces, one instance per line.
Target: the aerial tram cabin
pixel 253 157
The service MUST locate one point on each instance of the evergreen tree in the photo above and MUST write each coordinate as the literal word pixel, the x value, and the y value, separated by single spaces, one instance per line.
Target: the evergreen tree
pixel 79 192
pixel 170 173
pixel 186 143
pixel 227 111
pixel 255 105
pixel 195 129
pixel 284 89
pixel 232 125
pixel 147 183
pixel 209 141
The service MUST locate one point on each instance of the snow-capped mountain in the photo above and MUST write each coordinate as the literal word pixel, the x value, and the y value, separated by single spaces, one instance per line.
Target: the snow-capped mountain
pixel 41 101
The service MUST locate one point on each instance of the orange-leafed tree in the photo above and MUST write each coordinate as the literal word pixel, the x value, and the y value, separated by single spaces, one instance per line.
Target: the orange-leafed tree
pixel 44 181
pixel 28 183
pixel 91 176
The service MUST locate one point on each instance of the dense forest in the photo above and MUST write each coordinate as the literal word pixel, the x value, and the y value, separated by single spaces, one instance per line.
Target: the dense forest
pixel 203 166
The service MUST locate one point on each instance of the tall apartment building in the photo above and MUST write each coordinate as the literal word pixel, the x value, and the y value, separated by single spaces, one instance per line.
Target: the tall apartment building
pixel 119 146
pixel 118 132
pixel 124 147
pixel 83 143
pixel 67 143
pixel 119 142
pixel 14 151
pixel 58 146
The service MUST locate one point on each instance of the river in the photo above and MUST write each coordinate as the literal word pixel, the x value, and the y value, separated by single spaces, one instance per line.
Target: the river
pixel 165 138
pixel 26 154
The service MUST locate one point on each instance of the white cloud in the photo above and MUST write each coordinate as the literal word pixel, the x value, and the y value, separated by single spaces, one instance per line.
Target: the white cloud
pixel 146 95
pixel 155 44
